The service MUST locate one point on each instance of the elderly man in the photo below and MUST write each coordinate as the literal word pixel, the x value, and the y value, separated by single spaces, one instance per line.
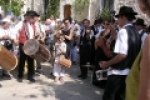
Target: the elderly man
pixel 7 38
pixel 26 31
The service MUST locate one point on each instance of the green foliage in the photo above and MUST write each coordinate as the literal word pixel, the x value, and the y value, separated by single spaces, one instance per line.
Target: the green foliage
pixel 105 14
pixel 53 8
pixel 13 5
pixel 80 5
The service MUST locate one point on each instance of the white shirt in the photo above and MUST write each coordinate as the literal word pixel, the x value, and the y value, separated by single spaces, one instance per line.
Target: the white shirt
pixel 143 37
pixel 51 35
pixel 121 47
pixel 40 29
pixel 10 32
pixel 52 25
pixel 60 45
pixel 30 29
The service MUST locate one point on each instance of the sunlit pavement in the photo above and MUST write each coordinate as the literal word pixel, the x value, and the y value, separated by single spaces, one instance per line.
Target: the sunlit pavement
pixel 46 89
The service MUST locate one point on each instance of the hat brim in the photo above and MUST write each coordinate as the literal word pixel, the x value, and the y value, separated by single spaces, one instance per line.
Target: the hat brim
pixel 134 13
pixel 32 15
pixel 139 24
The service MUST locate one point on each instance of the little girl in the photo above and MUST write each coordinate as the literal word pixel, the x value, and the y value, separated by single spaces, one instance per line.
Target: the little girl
pixel 59 70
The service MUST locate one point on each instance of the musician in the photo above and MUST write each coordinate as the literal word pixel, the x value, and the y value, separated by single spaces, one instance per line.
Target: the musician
pixel 68 32
pixel 104 47
pixel 7 38
pixel 41 38
pixel 127 47
pixel 27 31
pixel 139 25
pixel 61 47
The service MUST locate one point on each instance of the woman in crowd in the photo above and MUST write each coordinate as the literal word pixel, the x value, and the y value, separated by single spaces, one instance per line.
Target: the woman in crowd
pixel 104 47
pixel 144 87
pixel 68 32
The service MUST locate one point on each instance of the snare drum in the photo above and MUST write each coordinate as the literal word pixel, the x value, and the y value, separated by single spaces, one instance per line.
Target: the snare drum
pixel 101 75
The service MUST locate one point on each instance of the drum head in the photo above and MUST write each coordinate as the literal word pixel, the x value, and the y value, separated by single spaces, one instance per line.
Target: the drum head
pixel 31 47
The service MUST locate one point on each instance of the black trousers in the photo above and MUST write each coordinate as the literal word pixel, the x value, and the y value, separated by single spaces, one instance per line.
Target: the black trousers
pixel 21 65
pixel 85 57
pixel 115 88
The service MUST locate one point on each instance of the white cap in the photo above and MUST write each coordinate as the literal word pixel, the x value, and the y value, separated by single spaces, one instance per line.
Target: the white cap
pixel 6 20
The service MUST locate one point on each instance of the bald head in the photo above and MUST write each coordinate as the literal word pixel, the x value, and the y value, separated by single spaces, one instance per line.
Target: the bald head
pixel 47 22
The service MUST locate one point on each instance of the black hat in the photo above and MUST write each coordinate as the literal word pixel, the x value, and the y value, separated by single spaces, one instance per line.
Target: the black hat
pixel 126 10
pixel 31 13
pixel 139 21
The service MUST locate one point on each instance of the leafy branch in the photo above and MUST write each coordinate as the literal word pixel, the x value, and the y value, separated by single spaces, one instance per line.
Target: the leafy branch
pixel 13 5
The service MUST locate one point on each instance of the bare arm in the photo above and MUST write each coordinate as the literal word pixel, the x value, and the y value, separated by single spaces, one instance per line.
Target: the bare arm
pixel 70 36
pixel 144 88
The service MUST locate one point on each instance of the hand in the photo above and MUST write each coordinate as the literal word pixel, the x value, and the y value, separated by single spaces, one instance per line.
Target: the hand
pixel 112 27
pixel 6 37
pixel 103 64
pixel 37 34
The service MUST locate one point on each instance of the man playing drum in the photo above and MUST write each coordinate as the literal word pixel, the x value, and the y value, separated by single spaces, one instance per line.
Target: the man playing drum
pixel 7 39
pixel 26 32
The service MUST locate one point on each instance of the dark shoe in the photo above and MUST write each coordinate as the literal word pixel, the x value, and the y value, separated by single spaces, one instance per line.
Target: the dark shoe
pixel 79 76
pixel 20 80
pixel 31 80
pixel 0 85
pixel 6 75
pixel 83 77
pixel 38 71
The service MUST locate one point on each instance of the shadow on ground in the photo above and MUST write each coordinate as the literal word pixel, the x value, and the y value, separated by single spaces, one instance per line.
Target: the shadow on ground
pixel 72 89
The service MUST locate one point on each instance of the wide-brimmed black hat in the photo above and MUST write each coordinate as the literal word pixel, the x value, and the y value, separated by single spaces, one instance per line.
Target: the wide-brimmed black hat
pixel 31 13
pixel 126 10
pixel 139 21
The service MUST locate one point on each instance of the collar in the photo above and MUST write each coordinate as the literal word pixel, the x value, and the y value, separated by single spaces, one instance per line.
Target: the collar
pixel 127 25
pixel 140 31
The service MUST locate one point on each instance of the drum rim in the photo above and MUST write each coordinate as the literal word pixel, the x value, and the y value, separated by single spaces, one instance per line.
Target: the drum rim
pixel 35 50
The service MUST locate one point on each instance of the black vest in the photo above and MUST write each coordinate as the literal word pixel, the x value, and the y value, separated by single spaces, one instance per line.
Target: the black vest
pixel 134 46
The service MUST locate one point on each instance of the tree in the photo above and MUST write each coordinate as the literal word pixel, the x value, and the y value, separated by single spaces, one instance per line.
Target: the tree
pixel 53 8
pixel 12 5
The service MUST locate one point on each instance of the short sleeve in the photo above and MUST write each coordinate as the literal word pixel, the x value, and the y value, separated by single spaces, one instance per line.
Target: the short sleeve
pixel 42 28
pixel 18 26
pixel 14 33
pixel 64 47
pixel 121 46
pixel 1 33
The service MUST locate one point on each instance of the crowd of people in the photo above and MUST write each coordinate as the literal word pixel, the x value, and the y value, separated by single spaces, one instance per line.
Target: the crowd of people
pixel 111 45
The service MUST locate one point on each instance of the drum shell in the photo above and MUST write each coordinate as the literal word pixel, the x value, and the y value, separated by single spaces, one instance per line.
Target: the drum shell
pixel 36 50
pixel 7 60
pixel 64 62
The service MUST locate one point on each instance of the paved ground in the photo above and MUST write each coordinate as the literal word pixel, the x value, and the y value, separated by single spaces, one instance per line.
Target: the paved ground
pixel 46 89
